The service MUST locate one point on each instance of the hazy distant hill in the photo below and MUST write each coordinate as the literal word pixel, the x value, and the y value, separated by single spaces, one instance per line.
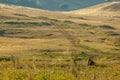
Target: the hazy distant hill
pixel 60 5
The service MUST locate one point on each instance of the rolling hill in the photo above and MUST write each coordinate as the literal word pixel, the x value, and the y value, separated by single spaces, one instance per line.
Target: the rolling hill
pixel 105 9
pixel 13 9
pixel 37 44
pixel 31 23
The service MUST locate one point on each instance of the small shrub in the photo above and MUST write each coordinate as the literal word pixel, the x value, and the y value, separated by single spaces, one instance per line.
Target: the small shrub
pixel 5 59
pixel 84 24
pixel 68 21
pixel 111 33
pixel 87 40
pixel 49 34
pixel 82 18
pixel 45 24
pixel 106 27
pixel 43 18
pixel 56 20
pixel 2 32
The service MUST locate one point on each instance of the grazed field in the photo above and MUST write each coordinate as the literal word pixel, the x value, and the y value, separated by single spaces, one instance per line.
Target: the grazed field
pixel 57 47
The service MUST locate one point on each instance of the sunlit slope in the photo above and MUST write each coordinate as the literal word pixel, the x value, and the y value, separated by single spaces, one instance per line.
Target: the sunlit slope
pixel 23 12
pixel 45 31
pixel 105 9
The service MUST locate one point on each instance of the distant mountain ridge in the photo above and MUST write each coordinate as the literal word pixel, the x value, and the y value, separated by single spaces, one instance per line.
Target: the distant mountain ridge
pixel 57 5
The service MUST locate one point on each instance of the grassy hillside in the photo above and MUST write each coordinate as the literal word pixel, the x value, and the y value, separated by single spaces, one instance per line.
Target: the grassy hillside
pixel 108 9
pixel 42 45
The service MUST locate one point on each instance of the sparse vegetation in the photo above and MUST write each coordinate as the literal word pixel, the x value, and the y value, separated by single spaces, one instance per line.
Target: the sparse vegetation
pixel 47 70
pixel 29 23
pixel 84 24
pixel 58 47
pixel 117 42
pixel 1 32
pixel 68 22
pixel 106 27
pixel 112 33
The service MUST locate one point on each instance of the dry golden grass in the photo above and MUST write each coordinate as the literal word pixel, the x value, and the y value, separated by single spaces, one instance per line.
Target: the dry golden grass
pixel 110 9
pixel 42 45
